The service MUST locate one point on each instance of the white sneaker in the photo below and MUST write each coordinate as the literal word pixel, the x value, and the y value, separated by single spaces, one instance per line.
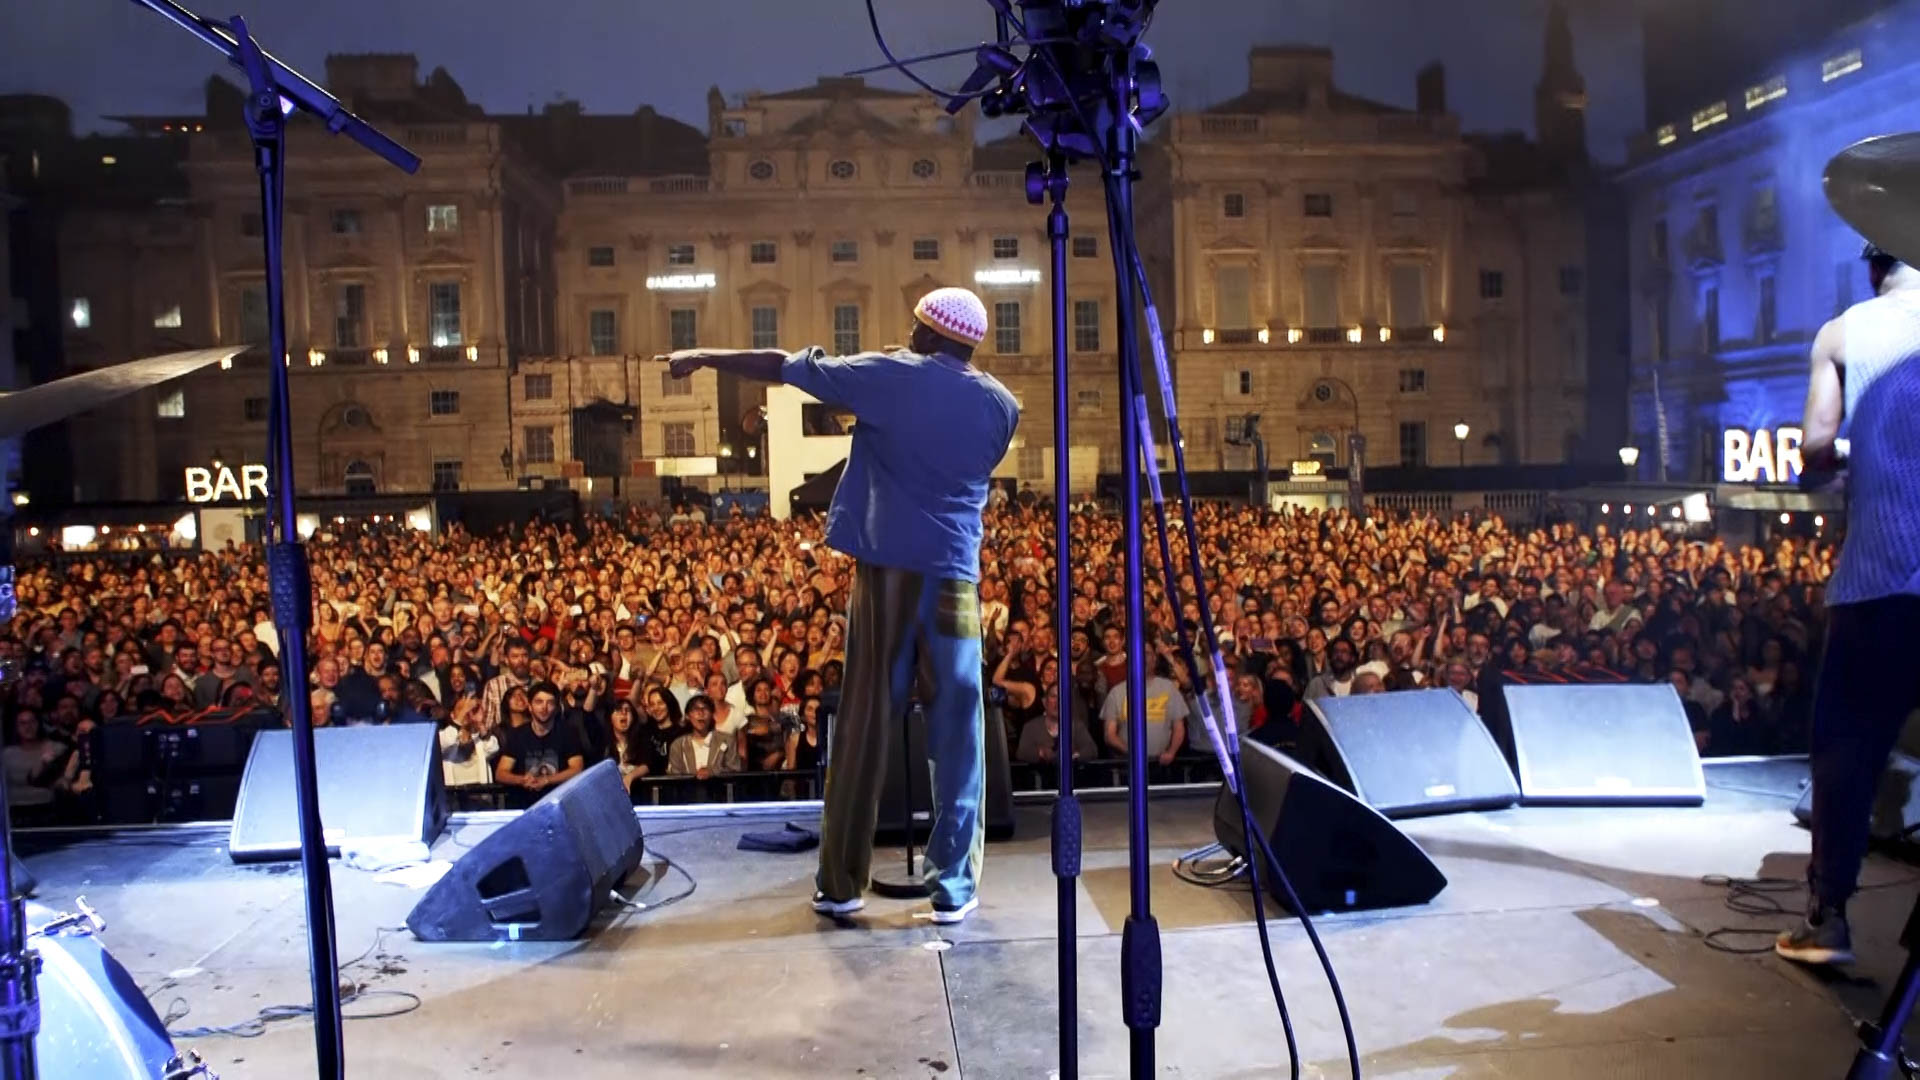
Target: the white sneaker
pixel 836 909
pixel 946 916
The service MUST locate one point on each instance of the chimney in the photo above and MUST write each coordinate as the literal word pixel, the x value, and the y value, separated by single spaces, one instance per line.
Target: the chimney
pixel 1430 88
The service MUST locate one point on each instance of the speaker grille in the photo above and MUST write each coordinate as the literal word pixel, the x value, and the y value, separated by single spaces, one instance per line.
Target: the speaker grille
pixel 1415 752
pixel 1604 744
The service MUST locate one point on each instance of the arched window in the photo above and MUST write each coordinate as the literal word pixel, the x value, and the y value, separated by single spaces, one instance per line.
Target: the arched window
pixel 1323 449
pixel 360 478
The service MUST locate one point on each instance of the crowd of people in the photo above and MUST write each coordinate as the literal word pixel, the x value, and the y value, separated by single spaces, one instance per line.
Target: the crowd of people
pixel 681 648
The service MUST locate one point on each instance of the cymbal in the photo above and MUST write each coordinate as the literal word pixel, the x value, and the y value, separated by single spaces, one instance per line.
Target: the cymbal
pixel 1874 185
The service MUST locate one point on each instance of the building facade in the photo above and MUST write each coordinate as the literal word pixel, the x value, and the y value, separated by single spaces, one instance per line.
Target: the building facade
pixel 1736 257
pixel 1336 266
pixel 1346 268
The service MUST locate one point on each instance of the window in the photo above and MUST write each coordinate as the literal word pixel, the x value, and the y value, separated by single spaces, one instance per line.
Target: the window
pixel 765 322
pixel 1086 326
pixel 359 479
pixel 1413 444
pixel 923 169
pixel 167 318
pixel 1006 247
pixel 539 387
pixel 760 171
pixel 1835 67
pixel 672 387
pixel 1705 241
pixel 1769 311
pixel 1573 280
pixel 345 222
pixel 1086 401
pixel 763 253
pixel 1771 90
pixel 250 224
pixel 676 439
pixel 683 325
pixel 1413 380
pixel 844 251
pixel 925 250
pixel 600 255
pixel 1493 285
pixel 1657 324
pixel 254 410
pixel 1657 242
pixel 349 316
pixel 1243 383
pixel 1710 318
pixel 443 313
pixel 680 255
pixel 1404 203
pixel 602 336
pixel 82 313
pixel 1233 205
pixel 1319 205
pixel 846 329
pixel 539 442
pixel 173 404
pixel 446 476
pixel 253 315
pixel 1407 289
pixel 444 403
pixel 1006 327
pixel 1322 287
pixel 443 218
pixel 1086 247
pixel 1232 306
pixel 1234 431
pixel 734 126
pixel 1715 113
pixel 1843 285
pixel 1765 222
pixel 841 169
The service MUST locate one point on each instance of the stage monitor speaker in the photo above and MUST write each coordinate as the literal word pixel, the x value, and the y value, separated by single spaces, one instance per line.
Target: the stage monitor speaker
pixel 376 784
pixel 998 808
pixel 1408 753
pixel 1896 801
pixel 1597 744
pixel 543 874
pixel 1339 853
pixel 95 1024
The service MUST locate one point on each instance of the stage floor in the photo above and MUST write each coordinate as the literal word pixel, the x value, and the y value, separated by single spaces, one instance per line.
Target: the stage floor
pixel 1568 945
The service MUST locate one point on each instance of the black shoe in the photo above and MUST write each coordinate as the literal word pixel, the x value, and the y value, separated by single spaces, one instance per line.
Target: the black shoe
pixel 1821 938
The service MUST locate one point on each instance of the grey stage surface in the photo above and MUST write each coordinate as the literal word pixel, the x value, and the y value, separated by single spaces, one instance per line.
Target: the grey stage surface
pixel 1568 945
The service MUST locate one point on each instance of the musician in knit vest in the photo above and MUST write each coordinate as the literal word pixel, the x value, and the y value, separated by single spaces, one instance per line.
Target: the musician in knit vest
pixel 1865 376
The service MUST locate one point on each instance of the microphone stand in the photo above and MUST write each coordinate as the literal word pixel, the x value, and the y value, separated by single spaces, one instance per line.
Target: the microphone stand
pixel 1066 808
pixel 274 90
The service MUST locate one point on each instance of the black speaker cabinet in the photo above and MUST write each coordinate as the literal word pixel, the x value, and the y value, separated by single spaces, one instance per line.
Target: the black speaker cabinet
pixel 376 783
pixel 1409 753
pixel 1896 801
pixel 1339 853
pixel 543 874
pixel 997 810
pixel 1598 744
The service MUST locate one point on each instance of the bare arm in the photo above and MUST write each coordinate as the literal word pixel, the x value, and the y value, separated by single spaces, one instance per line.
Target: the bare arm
pixel 762 364
pixel 1826 400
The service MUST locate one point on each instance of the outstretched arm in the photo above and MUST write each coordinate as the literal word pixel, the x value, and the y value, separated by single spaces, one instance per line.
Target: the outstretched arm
pixel 762 364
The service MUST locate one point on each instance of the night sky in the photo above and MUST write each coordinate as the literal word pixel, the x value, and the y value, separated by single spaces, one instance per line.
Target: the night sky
pixel 109 56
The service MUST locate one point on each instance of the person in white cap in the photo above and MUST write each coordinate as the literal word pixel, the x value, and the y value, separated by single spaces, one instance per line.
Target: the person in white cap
pixel 930 429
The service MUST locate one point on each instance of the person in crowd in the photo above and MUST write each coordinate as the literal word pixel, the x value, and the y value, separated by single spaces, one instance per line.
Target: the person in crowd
pixel 544 753
pixel 702 752
pixel 467 747
pixel 627 744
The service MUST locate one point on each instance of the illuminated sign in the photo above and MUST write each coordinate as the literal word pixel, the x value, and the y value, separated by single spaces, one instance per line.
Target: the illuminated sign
pixel 221 482
pixel 1308 469
pixel 1006 277
pixel 682 282
pixel 1762 456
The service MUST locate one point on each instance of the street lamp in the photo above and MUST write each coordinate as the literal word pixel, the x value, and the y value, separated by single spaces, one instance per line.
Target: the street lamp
pixel 1629 456
pixel 1460 433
